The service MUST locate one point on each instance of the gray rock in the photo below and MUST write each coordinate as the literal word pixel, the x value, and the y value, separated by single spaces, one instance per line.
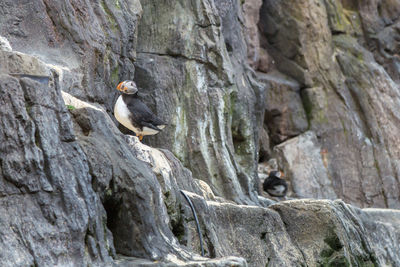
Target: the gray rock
pixel 334 233
pixel 246 231
pixel 264 143
pixel 20 63
pixel 305 166
pixel 53 214
pixel 284 115
pixel 186 76
pixel 144 205
pixel 128 188
pixel 58 32
pixel 76 191
pixel 351 101
pixel 251 14
pixel 381 226
pixel 222 262
pixel 318 232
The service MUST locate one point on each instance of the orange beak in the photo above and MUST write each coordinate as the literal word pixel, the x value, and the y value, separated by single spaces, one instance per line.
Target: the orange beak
pixel 282 174
pixel 119 86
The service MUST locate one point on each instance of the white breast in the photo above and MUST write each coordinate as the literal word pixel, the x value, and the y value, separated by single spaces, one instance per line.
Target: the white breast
pixel 121 113
pixel 277 190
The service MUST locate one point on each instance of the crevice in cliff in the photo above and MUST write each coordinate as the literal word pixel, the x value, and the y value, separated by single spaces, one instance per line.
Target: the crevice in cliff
pixel 111 204
pixel 175 213
pixel 183 57
pixel 204 26
pixel 307 106
pixel 209 248
pixel 337 32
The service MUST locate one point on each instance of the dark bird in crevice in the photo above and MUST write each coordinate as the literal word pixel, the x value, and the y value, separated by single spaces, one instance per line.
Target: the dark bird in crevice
pixel 132 113
pixel 275 185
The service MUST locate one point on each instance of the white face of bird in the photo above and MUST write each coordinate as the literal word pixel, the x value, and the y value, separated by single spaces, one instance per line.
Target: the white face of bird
pixel 127 87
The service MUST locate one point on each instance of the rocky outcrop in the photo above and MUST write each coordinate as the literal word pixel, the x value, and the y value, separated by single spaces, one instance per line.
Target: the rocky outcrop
pixel 284 114
pixel 204 89
pixel 289 233
pixel 51 214
pixel 90 59
pixel 304 163
pixel 67 164
pixel 331 233
pixel 75 190
pixel 336 51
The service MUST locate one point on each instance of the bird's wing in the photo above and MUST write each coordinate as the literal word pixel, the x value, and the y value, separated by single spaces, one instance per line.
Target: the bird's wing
pixel 143 115
pixel 267 183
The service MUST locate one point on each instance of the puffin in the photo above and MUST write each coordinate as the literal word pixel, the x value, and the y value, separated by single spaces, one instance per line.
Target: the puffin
pixel 275 185
pixel 132 113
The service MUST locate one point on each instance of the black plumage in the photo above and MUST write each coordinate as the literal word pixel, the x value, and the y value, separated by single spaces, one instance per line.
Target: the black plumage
pixel 274 185
pixel 140 115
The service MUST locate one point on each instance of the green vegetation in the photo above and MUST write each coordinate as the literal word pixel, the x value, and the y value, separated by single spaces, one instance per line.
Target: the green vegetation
pixel 333 254
pixel 114 75
pixel 70 107
pixel 118 4
pixel 177 223
pixel 110 16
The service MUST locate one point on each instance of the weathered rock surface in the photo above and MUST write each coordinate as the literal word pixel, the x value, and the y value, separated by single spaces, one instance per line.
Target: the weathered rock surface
pixel 91 43
pixel 210 98
pixel 332 233
pixel 284 114
pixel 51 215
pixel 139 187
pixel 226 261
pixel 5 44
pixel 75 191
pixel 343 56
pixel 304 163
pixel 251 14
pixel 304 231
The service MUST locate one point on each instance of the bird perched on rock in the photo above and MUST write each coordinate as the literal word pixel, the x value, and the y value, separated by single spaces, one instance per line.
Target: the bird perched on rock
pixel 274 185
pixel 132 113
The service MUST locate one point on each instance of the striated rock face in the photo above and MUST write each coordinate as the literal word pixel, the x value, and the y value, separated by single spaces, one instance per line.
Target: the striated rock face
pixel 204 89
pixel 74 190
pixel 290 233
pixel 335 234
pixel 51 214
pixel 91 44
pixel 342 53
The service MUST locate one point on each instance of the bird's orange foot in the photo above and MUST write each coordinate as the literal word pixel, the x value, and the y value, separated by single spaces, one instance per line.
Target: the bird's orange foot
pixel 140 137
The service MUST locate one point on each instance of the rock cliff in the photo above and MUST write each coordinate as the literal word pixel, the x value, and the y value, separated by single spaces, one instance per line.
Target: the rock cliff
pixel 311 85
pixel 339 54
